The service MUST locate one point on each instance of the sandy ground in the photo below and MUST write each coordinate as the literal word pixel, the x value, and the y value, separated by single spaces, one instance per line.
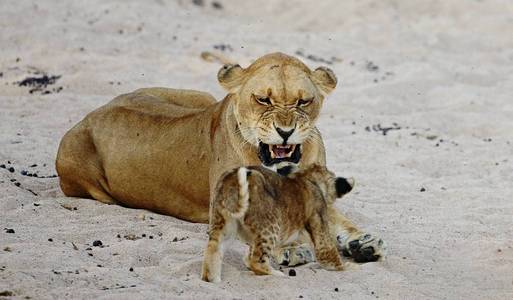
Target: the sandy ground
pixel 437 186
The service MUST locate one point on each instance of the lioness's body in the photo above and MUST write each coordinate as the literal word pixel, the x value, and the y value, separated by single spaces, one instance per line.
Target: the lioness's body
pixel 147 150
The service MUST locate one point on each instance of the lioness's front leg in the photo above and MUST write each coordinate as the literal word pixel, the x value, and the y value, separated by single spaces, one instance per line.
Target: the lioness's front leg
pixel 352 242
pixel 361 246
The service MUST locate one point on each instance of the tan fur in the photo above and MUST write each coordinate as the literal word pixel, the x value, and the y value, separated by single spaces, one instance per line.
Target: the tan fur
pixel 164 149
pixel 279 208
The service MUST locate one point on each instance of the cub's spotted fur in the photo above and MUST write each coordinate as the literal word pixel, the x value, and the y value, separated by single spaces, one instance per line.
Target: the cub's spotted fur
pixel 267 210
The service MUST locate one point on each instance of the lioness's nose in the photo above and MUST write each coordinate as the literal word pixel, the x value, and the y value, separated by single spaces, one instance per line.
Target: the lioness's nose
pixel 285 134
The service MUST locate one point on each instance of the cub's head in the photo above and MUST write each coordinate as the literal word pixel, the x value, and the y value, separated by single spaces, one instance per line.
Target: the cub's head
pixel 278 99
pixel 331 186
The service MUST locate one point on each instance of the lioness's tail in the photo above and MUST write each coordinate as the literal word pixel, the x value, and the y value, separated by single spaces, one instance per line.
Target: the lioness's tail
pixel 237 204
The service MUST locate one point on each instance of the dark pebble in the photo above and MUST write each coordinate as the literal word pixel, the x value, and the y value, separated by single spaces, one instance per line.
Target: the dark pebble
pixel 34 165
pixel 422 189
pixel 97 243
pixel 89 249
pixel 9 230
pixel 336 289
pixel 17 184
pixel 90 254
pixel 24 173
pixel 292 272
pixel 119 236
pixel 36 204
pixel 99 266
pixel 217 5
pixel 11 169
pixel 131 269
pixel 175 239
pixel 50 240
pixel 2 166
pixel 143 235
pixel 151 237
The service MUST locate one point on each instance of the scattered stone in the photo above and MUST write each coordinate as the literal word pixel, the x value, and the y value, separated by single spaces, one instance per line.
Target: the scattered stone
pixel 37 204
pixel 9 230
pixel 318 59
pixel 50 240
pixel 17 184
pixel 151 237
pixel 422 189
pixel 11 169
pixel 336 289
pixel 39 84
pixel 198 2
pixel 217 5
pixel 6 294
pixel 33 166
pixel 2 166
pixel 8 249
pixel 131 237
pixel 131 269
pixel 24 172
pixel 223 47
pixel 292 272
pixel 97 243
pixel 370 66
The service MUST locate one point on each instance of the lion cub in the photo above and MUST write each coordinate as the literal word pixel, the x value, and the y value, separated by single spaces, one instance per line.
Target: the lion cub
pixel 267 210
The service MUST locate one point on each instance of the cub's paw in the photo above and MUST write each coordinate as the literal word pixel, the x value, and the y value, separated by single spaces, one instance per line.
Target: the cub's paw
pixel 362 247
pixel 294 256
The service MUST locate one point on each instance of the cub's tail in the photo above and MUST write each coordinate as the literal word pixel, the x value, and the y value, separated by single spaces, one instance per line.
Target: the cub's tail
pixel 238 204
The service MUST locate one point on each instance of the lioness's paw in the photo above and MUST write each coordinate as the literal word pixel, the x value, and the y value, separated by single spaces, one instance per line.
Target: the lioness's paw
pixel 294 256
pixel 362 247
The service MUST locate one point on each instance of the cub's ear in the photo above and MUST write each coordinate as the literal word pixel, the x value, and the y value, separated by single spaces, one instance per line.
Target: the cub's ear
pixel 343 186
pixel 230 77
pixel 325 79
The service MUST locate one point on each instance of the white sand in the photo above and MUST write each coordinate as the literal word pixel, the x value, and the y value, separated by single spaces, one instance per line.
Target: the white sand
pixel 450 77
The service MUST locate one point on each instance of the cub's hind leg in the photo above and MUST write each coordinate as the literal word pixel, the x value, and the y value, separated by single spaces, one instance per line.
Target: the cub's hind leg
pixel 213 257
pixel 259 257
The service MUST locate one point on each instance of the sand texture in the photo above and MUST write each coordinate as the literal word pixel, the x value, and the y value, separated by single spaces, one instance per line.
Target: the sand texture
pixel 422 118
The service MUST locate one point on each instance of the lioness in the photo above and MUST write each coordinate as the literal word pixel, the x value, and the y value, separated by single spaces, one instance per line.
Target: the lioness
pixel 266 210
pixel 164 149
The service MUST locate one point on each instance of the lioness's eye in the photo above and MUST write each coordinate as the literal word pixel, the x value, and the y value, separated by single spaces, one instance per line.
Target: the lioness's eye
pixel 303 102
pixel 263 100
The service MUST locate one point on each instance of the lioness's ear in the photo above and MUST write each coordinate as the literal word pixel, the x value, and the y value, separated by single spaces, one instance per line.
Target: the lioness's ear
pixel 230 77
pixel 343 186
pixel 325 79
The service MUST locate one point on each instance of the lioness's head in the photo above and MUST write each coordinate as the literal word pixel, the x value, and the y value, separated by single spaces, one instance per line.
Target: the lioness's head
pixel 278 99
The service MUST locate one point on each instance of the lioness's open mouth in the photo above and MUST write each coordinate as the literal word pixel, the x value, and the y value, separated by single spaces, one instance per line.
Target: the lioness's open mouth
pixel 273 154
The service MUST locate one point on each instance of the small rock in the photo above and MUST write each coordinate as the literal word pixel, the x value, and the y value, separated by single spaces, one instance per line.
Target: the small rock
pixel 11 169
pixel 422 189
pixel 217 5
pixel 292 272
pixel 9 230
pixel 24 172
pixel 131 269
pixel 97 243
pixel 50 240
pixel 336 289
